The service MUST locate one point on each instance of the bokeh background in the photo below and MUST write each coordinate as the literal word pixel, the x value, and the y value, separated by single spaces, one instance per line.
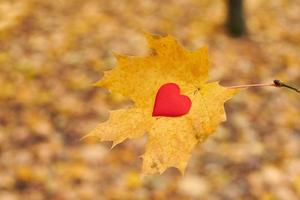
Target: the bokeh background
pixel 51 51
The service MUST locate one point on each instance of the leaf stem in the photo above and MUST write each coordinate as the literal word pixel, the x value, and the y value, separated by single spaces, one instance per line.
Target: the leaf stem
pixel 276 83
pixel 252 85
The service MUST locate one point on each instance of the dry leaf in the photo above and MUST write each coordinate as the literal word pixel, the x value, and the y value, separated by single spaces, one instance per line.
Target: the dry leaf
pixel 171 139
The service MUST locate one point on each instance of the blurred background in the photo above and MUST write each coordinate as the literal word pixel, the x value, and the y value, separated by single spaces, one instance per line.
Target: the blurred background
pixel 51 51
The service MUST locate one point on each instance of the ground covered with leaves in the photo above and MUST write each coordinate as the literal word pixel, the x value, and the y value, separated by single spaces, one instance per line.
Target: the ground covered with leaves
pixel 52 51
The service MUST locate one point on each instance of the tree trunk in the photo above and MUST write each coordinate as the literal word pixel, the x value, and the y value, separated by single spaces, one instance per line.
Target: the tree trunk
pixel 235 18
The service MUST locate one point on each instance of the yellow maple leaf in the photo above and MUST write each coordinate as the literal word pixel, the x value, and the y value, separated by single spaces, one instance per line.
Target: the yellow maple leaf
pixel 170 139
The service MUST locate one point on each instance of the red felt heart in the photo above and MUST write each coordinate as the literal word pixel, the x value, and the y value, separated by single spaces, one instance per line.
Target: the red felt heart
pixel 169 102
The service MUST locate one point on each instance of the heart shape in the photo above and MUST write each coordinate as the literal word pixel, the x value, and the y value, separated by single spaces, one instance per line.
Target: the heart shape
pixel 169 102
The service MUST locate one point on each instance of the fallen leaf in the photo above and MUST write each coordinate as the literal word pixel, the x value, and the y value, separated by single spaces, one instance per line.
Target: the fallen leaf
pixel 170 139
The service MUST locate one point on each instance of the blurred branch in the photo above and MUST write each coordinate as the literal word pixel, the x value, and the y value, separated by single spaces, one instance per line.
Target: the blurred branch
pixel 278 83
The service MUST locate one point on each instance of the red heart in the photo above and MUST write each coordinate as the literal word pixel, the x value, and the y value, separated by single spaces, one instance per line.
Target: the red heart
pixel 169 102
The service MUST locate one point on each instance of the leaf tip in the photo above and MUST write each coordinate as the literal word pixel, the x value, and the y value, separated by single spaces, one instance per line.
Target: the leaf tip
pixel 114 144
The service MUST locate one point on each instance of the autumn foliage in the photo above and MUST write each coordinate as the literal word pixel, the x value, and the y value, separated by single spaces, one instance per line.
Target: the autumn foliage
pixel 170 139
pixel 53 51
